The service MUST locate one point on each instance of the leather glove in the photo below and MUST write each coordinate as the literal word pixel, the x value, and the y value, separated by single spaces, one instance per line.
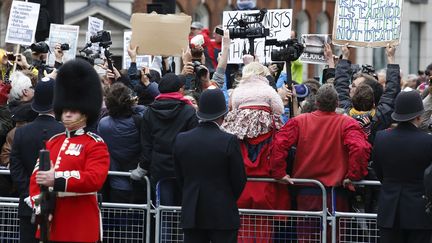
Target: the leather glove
pixel 138 173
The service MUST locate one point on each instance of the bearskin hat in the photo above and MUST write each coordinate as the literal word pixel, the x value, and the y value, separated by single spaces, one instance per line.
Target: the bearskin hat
pixel 78 87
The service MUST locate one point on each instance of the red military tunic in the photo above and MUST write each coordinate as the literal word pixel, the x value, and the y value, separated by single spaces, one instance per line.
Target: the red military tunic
pixel 81 163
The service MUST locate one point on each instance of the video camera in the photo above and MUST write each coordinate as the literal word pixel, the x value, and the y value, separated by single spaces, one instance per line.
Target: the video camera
pixel 245 28
pixel 40 47
pixel 102 37
pixel 291 49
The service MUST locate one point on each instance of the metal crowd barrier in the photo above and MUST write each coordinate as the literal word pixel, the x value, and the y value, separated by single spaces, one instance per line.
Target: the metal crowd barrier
pixel 121 222
pixel 355 227
pixel 131 222
pixel 258 225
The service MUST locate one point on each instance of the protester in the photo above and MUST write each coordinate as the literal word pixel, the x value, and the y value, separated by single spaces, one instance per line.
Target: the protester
pixel 169 115
pixel 254 119
pixel 121 132
pixel 80 158
pixel 28 140
pixel 384 102
pixel 401 208
pixel 331 148
pixel 210 189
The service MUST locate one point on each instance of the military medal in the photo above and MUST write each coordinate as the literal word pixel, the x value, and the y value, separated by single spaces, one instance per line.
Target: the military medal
pixel 74 149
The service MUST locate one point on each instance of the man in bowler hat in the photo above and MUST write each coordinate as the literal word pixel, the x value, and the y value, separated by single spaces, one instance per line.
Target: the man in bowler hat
pixel 209 168
pixel 27 142
pixel 400 157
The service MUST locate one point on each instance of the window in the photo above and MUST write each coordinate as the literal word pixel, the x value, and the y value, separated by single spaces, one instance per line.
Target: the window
pixel 414 46
pixel 379 58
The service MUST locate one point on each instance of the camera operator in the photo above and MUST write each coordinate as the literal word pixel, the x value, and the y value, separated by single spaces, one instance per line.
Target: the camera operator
pixel 39 58
pixel 144 82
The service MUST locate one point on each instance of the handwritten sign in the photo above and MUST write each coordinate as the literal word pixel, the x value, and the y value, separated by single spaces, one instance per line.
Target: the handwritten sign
pixel 94 25
pixel 63 34
pixel 22 24
pixel 142 60
pixel 279 21
pixel 365 23
pixel 314 50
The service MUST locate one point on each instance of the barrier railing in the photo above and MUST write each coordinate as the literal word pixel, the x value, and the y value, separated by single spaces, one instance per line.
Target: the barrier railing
pixel 121 221
pixel 257 225
pixel 131 222
pixel 355 227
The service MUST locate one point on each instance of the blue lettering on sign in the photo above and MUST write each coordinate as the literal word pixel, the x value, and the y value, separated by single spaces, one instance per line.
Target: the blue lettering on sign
pixel 368 20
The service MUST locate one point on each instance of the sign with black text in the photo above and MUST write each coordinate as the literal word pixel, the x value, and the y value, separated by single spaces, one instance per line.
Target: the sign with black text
pixel 141 60
pixel 278 21
pixel 314 48
pixel 63 34
pixel 22 23
pixel 365 23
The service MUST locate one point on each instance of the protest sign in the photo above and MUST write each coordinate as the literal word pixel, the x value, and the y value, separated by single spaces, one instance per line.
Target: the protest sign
pixel 314 48
pixel 159 34
pixel 63 34
pixel 22 24
pixel 94 25
pixel 141 60
pixel 279 21
pixel 365 23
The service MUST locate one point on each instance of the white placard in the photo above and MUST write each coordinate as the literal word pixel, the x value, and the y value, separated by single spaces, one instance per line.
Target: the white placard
pixel 63 34
pixel 142 60
pixel 94 25
pixel 314 48
pixel 367 23
pixel 279 21
pixel 22 24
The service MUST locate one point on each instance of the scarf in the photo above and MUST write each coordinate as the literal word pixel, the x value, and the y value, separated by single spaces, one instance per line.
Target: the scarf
pixel 173 96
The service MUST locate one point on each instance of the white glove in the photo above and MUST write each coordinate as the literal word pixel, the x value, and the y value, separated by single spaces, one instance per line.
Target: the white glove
pixel 138 173
pixel 27 200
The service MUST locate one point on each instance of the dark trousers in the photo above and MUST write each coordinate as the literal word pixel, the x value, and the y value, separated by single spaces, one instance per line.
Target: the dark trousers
pixel 205 236
pixel 27 230
pixel 404 236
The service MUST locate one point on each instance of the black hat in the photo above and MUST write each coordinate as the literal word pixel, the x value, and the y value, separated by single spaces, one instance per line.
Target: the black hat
pixel 408 105
pixel 43 96
pixel 170 83
pixel 212 105
pixel 22 112
pixel 78 87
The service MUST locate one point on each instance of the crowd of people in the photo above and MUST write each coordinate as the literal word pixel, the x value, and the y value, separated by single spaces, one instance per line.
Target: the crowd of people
pixel 210 129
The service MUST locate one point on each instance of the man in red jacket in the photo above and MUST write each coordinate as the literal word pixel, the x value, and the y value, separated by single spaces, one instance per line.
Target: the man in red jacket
pixel 331 148
pixel 80 159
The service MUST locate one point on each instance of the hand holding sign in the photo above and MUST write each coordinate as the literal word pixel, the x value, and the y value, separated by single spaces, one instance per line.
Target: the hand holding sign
pixel 390 51
pixel 346 52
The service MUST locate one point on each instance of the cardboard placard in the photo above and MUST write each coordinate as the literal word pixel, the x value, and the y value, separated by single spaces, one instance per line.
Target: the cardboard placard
pixel 279 21
pixel 159 34
pixel 142 60
pixel 61 34
pixel 367 23
pixel 22 24
pixel 314 51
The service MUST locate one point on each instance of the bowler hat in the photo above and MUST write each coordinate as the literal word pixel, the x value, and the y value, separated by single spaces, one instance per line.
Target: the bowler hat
pixel 43 96
pixel 170 83
pixel 408 105
pixel 212 105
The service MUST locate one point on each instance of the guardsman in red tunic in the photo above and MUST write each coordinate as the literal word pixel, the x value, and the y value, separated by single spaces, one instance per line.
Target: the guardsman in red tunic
pixel 79 158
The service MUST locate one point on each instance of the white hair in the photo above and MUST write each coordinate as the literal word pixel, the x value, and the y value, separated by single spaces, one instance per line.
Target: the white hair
pixel 19 82
pixel 254 69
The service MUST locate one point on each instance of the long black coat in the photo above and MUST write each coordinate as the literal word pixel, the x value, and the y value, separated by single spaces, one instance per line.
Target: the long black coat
pixel 209 167
pixel 400 157
pixel 27 142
